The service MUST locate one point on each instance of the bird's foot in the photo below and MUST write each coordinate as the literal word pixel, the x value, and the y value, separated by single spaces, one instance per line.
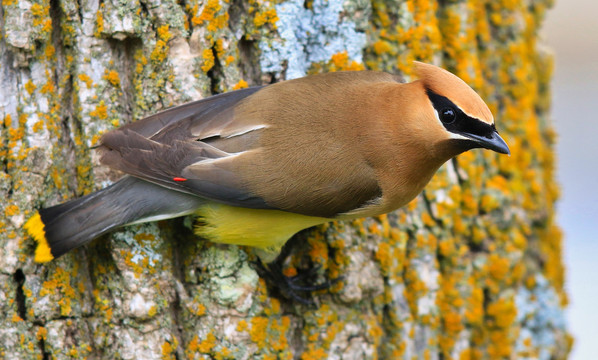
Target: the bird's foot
pixel 292 286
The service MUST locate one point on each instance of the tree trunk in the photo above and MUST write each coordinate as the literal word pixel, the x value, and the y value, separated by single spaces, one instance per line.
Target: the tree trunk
pixel 471 269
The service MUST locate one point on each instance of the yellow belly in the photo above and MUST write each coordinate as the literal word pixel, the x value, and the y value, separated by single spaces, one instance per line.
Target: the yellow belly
pixel 268 230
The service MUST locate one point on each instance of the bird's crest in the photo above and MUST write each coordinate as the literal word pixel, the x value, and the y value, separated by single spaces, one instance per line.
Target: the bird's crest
pixel 444 83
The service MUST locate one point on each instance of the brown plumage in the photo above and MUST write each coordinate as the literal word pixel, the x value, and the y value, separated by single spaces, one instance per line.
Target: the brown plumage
pixel 336 145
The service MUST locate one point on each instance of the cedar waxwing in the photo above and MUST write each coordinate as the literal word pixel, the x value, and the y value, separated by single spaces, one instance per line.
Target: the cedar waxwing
pixel 258 165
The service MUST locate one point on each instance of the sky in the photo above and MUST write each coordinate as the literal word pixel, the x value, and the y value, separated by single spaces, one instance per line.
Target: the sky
pixel 571 30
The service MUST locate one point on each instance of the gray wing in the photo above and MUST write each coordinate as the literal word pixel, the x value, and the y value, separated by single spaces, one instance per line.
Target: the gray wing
pixel 204 114
pixel 161 148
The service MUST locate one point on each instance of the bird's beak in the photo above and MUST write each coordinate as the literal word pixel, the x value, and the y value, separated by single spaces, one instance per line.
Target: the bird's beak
pixel 493 142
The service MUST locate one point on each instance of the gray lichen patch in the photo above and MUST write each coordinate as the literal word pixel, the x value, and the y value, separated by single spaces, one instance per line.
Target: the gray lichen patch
pixel 313 35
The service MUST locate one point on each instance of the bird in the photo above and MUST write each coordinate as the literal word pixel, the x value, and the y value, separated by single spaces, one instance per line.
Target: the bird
pixel 258 165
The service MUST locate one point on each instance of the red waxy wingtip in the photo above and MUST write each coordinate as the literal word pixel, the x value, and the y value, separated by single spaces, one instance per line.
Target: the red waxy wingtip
pixel 179 179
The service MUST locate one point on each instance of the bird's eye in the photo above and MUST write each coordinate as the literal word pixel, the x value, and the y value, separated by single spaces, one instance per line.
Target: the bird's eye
pixel 447 115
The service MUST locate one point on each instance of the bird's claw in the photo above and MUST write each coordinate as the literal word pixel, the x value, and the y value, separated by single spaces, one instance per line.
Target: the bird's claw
pixel 289 285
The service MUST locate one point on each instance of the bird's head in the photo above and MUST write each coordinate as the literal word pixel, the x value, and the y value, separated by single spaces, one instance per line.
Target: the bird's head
pixel 462 120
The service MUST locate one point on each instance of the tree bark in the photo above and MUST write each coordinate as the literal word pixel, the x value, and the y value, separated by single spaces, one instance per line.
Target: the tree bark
pixel 471 269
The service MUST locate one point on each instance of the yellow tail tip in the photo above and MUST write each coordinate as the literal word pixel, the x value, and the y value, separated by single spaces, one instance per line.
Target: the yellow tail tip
pixel 35 228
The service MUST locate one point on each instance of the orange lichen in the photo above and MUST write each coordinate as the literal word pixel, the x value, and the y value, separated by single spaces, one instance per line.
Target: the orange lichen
pixel 264 17
pixel 384 257
pixel 242 84
pixel 206 346
pixel 48 87
pixel 49 52
pixel 101 111
pixel 164 32
pixel 11 210
pixel 498 267
pixel 30 87
pixel 314 354
pixel 229 59
pixel 111 76
pixel 86 79
pixel 242 326
pixel 41 333
pixel 340 62
pixel 258 331
pixel 99 21
pixel 382 46
pixel 168 351
pixel 16 318
pixel 208 12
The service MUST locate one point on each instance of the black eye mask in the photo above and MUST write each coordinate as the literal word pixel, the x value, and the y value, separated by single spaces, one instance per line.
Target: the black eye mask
pixel 456 121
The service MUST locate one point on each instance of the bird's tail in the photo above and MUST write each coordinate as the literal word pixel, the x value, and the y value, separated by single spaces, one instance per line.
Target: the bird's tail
pixel 61 228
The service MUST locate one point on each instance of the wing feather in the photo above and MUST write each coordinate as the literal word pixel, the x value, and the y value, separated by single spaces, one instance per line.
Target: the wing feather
pixel 164 146
pixel 284 146
pixel 206 115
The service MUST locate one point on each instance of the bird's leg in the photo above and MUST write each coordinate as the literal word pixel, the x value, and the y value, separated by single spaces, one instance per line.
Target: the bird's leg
pixel 292 286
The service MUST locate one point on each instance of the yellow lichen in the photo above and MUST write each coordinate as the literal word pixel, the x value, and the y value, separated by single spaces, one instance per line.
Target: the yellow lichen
pixel 59 283
pixel 208 60
pixel 160 52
